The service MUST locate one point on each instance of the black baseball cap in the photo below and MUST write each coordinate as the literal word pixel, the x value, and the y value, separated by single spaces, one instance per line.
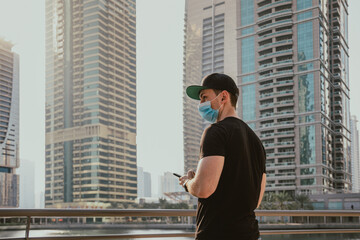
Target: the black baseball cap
pixel 216 81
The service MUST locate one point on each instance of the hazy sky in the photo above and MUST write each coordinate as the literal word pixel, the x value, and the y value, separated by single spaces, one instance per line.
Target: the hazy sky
pixel 160 25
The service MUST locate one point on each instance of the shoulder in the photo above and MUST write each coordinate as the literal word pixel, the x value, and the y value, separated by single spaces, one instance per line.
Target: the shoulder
pixel 216 128
pixel 215 131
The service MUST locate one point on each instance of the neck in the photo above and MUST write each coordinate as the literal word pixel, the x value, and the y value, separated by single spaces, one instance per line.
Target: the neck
pixel 227 112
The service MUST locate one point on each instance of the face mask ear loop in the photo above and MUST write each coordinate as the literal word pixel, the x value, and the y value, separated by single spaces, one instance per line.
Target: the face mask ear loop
pixel 221 104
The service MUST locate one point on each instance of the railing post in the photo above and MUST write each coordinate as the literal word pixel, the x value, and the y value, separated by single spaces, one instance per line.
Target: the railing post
pixel 27 227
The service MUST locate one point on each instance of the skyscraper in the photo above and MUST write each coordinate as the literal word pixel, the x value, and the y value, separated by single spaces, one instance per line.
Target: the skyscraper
pixel 168 183
pixel 290 61
pixel 9 125
pixel 27 184
pixel 90 101
pixel 144 183
pixel 355 157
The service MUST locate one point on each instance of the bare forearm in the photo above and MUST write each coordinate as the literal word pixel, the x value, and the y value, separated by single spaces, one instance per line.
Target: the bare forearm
pixel 194 189
pixel 262 190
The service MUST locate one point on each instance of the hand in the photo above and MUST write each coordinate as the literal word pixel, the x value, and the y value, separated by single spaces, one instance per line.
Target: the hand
pixel 190 175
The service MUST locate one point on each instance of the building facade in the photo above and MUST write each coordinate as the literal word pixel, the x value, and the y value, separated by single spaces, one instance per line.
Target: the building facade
pixel 355 157
pixel 90 101
pixel 144 183
pixel 9 126
pixel 290 61
pixel 168 183
pixel 27 184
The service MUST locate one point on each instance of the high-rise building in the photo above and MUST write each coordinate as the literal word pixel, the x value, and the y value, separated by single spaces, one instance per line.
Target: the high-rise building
pixel 144 183
pixel 147 184
pixel 168 183
pixel 9 125
pixel 90 101
pixel 355 156
pixel 140 182
pixel 290 61
pixel 27 184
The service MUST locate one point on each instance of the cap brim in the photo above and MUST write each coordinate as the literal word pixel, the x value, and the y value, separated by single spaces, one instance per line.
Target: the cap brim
pixel 194 91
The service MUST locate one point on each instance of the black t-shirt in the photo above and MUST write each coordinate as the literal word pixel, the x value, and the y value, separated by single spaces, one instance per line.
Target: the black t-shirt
pixel 229 212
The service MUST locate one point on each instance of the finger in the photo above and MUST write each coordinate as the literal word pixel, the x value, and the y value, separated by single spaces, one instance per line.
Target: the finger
pixel 191 174
pixel 183 179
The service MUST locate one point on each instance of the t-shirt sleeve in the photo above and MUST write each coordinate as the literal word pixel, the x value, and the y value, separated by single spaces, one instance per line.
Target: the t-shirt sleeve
pixel 213 142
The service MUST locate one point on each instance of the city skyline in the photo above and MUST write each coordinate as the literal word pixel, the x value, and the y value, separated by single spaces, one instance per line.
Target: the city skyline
pixel 157 152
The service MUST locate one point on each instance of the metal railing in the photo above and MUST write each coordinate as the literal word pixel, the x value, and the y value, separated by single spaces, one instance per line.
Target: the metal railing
pixel 31 213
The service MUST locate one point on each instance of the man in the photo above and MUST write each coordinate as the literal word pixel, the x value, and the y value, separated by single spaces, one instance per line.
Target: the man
pixel 230 177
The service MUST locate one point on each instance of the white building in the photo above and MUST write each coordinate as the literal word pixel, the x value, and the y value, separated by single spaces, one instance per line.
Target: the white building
pixel 355 159
pixel 144 183
pixel 27 184
pixel 169 183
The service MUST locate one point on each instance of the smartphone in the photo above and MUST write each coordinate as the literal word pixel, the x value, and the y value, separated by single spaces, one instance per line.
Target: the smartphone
pixel 177 175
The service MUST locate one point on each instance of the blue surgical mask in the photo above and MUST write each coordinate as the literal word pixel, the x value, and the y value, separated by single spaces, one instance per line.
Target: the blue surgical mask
pixel 207 112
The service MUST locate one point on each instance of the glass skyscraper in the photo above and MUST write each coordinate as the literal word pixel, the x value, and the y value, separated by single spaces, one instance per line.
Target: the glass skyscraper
pixel 90 101
pixel 9 126
pixel 290 61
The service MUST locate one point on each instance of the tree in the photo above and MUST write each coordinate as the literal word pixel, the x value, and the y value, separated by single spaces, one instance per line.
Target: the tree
pixel 282 199
pixel 302 202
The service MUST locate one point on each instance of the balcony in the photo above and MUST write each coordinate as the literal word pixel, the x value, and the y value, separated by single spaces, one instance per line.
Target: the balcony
pixel 286 11
pixel 336 66
pixel 279 144
pixel 285 133
pixel 267 105
pixel 335 12
pixel 335 21
pixel 276 84
pixel 262 106
pixel 336 38
pixel 272 5
pixel 275 53
pixel 338 94
pixel 276 165
pixel 336 29
pixel 276 63
pixel 337 76
pixel 267 135
pixel 338 112
pixel 270 75
pixel 285 154
pixel 337 103
pixel 284 123
pixel 266 125
pixel 275 33
pixel 262 28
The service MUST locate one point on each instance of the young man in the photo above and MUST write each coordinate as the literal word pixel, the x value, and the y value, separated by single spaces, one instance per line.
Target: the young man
pixel 230 177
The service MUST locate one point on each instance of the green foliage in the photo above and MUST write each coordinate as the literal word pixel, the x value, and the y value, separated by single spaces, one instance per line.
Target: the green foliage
pixel 285 201
pixel 162 204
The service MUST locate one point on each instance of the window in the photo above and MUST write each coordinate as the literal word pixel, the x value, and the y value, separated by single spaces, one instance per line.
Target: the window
pixel 303 4
pixel 247 55
pixel 247 12
pixel 306 93
pixel 307 145
pixel 305 41
pixel 248 102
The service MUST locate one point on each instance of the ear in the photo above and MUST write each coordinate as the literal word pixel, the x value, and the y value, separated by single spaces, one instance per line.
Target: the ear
pixel 226 96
